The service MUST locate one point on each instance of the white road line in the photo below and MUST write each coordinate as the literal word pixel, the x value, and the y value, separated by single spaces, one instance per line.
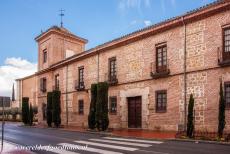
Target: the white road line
pixel 133 140
pixel 90 149
pixel 123 143
pixel 57 150
pixel 107 146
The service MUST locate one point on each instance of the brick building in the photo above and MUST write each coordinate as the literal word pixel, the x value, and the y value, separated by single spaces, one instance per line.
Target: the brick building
pixel 151 72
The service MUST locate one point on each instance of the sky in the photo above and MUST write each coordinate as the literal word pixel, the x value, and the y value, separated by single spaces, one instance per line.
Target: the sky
pixel 96 20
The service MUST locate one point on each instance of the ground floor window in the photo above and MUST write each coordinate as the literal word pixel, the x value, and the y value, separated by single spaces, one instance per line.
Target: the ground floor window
pixel 113 104
pixel 81 107
pixel 161 100
pixel 44 111
pixel 227 94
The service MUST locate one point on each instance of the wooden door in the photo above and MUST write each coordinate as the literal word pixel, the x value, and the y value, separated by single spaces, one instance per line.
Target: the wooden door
pixel 134 112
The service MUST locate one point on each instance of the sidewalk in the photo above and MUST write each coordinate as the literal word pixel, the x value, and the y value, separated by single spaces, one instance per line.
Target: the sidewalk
pixel 138 133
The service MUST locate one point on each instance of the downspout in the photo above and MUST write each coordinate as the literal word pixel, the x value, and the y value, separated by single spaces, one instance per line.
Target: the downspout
pixel 185 77
pixel 66 96
pixel 98 67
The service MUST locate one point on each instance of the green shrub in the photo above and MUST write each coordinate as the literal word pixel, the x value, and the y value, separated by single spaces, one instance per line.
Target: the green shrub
pixel 56 106
pixel 49 109
pixel 190 123
pixel 92 110
pixel 102 120
pixel 31 115
pixel 25 110
pixel 221 117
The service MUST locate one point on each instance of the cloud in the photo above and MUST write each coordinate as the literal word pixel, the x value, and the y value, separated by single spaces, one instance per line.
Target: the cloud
pixel 147 22
pixel 12 69
pixel 133 4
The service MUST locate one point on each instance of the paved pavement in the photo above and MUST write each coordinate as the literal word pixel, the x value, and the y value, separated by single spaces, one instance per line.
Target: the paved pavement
pixel 66 142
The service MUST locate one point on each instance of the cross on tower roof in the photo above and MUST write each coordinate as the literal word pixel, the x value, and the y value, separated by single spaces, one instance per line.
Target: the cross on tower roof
pixel 61 15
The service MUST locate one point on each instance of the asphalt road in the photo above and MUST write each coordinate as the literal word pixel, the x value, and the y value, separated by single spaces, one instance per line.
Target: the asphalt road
pixel 67 142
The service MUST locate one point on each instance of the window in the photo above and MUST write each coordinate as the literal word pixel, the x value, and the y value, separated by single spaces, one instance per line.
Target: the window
pixel 43 84
pixel 112 70
pixel 81 78
pixel 44 56
pixel 226 39
pixel 113 104
pixel 227 94
pixel 161 58
pixel 161 101
pixel 81 107
pixel 44 111
pixel 57 82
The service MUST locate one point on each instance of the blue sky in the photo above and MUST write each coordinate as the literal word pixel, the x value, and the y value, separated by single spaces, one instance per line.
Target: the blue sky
pixel 96 20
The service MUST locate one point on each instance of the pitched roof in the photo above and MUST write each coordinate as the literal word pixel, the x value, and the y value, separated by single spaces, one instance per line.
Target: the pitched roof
pixel 60 30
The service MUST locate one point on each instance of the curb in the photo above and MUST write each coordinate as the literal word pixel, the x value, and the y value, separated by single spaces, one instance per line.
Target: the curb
pixel 201 141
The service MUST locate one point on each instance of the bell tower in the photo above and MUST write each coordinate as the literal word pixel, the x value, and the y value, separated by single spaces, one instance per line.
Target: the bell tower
pixel 57 44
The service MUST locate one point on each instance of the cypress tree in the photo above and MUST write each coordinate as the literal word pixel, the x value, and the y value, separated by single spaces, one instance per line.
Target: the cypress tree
pixel 56 106
pixel 102 120
pixel 221 116
pixel 49 109
pixel 190 123
pixel 31 115
pixel 25 110
pixel 92 109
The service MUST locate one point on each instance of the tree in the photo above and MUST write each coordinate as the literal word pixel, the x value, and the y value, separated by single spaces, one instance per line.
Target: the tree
pixel 92 109
pixel 102 119
pixel 190 123
pixel 56 106
pixel 49 109
pixel 221 117
pixel 31 115
pixel 25 110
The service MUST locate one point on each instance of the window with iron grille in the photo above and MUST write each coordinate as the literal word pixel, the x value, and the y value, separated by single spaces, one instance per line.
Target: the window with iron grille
pixel 227 94
pixel 161 101
pixel 81 78
pixel 161 58
pixel 43 84
pixel 226 39
pixel 113 104
pixel 112 69
pixel 45 56
pixel 57 81
pixel 44 111
pixel 81 107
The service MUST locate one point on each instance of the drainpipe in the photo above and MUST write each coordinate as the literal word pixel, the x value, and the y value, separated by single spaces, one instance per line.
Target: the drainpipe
pixel 185 77
pixel 98 67
pixel 66 97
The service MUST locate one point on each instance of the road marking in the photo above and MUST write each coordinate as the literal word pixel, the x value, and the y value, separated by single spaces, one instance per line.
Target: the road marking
pixel 133 140
pixel 90 149
pixel 107 146
pixel 57 150
pixel 123 143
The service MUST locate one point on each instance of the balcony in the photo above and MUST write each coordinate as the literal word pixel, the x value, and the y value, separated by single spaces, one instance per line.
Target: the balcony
pixel 223 57
pixel 159 72
pixel 112 80
pixel 43 89
pixel 79 86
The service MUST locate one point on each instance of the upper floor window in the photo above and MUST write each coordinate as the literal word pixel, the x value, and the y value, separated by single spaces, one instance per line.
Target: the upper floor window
pixel 227 94
pixel 113 104
pixel 57 81
pixel 112 70
pixel 43 84
pixel 161 58
pixel 226 39
pixel 45 56
pixel 81 78
pixel 81 107
pixel 161 100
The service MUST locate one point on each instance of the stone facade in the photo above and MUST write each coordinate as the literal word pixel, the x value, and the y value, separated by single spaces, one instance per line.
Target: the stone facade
pixel 135 60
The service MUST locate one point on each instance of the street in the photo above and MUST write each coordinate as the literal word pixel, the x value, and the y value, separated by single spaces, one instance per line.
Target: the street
pixel 76 142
